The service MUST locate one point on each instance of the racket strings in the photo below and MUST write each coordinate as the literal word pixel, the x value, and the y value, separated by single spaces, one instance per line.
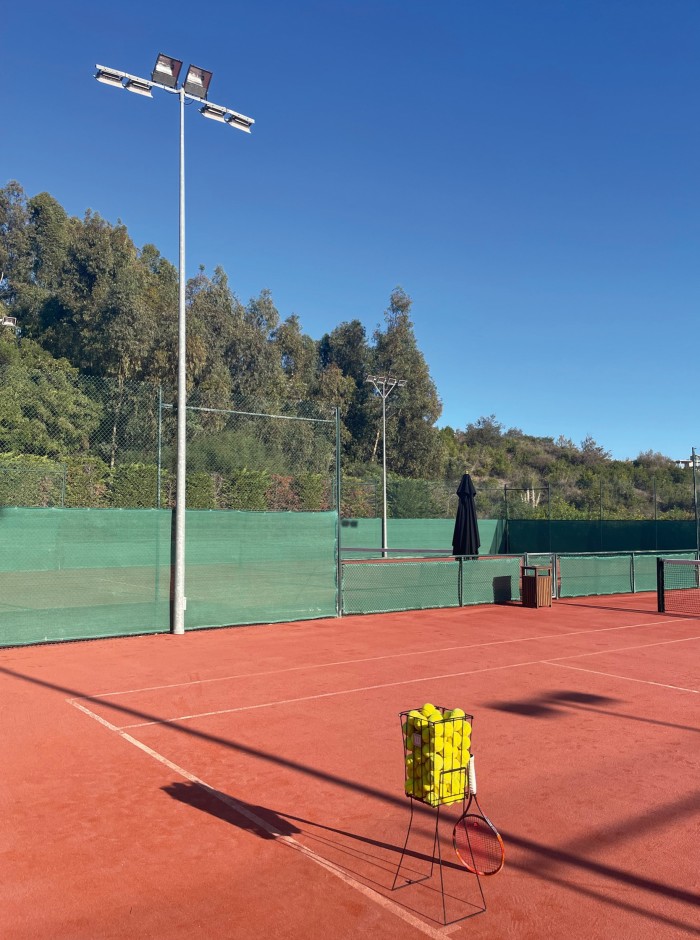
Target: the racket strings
pixel 478 845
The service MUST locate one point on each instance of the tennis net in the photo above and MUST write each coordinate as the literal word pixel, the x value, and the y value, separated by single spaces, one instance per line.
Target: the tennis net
pixel 678 586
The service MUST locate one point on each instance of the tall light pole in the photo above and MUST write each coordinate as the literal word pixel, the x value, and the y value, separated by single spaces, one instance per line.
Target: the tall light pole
pixel 385 385
pixel 195 87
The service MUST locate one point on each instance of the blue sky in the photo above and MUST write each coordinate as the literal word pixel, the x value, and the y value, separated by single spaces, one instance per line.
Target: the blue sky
pixel 527 170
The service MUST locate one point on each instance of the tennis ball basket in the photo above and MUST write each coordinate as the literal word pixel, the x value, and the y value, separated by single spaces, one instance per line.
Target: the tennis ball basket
pixel 437 744
pixel 437 751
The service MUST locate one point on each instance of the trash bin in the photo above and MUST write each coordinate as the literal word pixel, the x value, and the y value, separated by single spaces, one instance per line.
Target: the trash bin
pixel 537 586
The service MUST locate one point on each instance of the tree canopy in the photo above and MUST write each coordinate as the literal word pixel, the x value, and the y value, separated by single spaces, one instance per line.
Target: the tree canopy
pixel 90 304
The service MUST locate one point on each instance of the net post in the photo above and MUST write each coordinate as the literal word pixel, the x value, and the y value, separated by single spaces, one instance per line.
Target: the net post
pixel 660 585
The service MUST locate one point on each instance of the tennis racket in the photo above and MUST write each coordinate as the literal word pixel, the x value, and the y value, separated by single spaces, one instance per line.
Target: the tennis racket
pixel 477 843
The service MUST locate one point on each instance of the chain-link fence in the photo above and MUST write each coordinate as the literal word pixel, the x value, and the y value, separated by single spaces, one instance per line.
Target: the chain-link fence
pixel 108 444
pixel 86 442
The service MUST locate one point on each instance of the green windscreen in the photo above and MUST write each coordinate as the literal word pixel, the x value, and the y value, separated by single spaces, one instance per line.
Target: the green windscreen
pixel 491 580
pixel 259 567
pixel 582 575
pixel 379 587
pixel 69 574
pixel 606 535
pixel 645 568
pixel 623 573
pixel 416 533
pixel 386 585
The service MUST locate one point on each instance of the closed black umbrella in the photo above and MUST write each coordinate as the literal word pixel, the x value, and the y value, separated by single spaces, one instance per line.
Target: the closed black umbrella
pixel 465 540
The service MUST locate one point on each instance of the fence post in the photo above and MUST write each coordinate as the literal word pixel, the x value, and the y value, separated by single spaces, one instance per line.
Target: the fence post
pixel 160 441
pixel 507 533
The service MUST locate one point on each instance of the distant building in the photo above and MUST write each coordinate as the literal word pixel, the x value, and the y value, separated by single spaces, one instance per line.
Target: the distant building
pixel 8 321
pixel 688 464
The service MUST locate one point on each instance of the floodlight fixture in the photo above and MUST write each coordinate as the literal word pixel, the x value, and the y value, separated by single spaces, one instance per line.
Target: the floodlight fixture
pixel 239 121
pixel 197 82
pixel 166 71
pixel 215 112
pixel 109 77
pixel 139 87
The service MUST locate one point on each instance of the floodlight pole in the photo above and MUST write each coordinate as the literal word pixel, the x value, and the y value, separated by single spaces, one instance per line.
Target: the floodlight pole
pixel 695 503
pixel 200 84
pixel 385 385
pixel 179 598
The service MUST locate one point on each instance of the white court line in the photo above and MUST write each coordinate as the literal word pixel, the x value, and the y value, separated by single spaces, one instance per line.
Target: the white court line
pixel 612 675
pixel 391 906
pixel 373 659
pixel 389 685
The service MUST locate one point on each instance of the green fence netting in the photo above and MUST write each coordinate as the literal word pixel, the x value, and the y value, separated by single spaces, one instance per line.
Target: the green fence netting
pixel 386 585
pixel 491 580
pixel 607 535
pixel 623 573
pixel 260 567
pixel 81 573
pixel 416 533
pixel 382 586
pixel 69 574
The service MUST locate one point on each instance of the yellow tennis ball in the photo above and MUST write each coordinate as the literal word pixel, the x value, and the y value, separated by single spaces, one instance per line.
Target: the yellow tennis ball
pixel 457 713
pixel 428 709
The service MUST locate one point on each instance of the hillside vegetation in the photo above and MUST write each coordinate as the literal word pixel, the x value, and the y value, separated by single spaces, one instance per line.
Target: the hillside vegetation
pixel 88 379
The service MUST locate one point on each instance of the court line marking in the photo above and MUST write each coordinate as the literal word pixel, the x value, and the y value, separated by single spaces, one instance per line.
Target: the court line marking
pixel 371 659
pixel 290 841
pixel 612 675
pixel 388 685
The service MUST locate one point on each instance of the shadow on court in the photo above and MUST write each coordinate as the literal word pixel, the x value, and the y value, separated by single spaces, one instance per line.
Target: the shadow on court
pixel 559 704
pixel 256 819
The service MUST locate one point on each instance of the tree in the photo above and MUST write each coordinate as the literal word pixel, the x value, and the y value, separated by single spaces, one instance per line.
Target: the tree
pixel 43 410
pixel 412 438
pixel 298 357
pixel 15 257
pixel 592 452
pixel 345 352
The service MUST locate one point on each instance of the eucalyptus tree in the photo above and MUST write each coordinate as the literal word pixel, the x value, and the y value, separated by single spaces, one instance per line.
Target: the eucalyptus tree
pixel 412 438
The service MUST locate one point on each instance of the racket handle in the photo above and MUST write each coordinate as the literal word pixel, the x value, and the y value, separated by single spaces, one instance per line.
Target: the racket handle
pixel 472 776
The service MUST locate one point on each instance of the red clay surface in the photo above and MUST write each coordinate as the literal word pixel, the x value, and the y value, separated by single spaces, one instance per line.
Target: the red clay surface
pixel 248 782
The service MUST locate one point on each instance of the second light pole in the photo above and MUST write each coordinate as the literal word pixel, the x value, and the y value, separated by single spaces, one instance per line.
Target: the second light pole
pixel 385 385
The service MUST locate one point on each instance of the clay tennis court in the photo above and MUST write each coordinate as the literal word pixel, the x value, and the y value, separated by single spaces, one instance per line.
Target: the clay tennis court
pixel 248 782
